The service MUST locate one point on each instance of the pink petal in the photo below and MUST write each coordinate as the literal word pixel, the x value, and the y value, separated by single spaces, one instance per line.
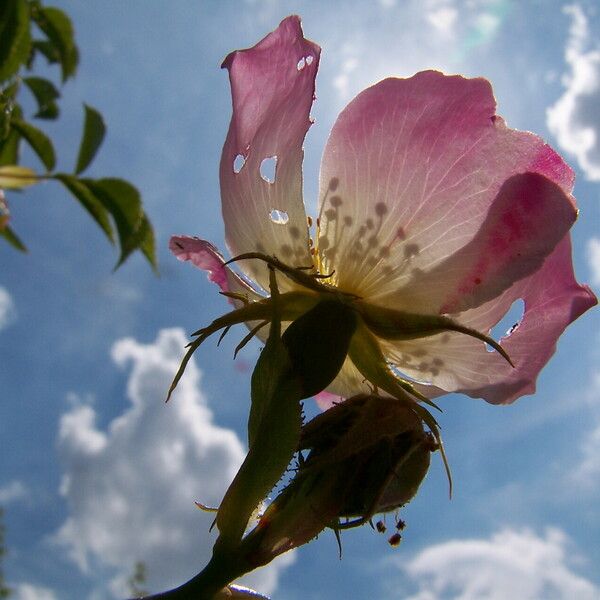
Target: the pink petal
pixel 350 382
pixel 272 87
pixel 527 219
pixel 455 362
pixel 408 177
pixel 326 400
pixel 205 256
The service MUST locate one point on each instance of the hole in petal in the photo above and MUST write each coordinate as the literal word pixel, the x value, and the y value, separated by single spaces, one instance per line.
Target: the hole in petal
pixel 509 322
pixel 238 163
pixel 301 64
pixel 309 59
pixel 268 166
pixel 280 217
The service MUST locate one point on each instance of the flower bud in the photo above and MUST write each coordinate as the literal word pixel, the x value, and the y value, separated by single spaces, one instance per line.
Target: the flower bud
pixel 366 455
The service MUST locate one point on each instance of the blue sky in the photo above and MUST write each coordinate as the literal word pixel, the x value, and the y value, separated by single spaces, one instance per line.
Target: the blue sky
pixel 97 473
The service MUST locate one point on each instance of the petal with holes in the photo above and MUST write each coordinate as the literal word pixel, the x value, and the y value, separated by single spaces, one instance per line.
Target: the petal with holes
pixel 457 363
pixel 272 87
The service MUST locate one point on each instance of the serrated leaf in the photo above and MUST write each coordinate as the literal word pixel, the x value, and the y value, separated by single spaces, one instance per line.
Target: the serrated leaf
pixel 40 143
pixel 89 201
pixel 93 134
pixel 12 238
pixel 57 26
pixel 45 95
pixel 15 41
pixel 14 177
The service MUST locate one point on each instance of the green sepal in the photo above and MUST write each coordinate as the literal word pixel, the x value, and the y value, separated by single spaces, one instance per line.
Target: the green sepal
pixel 391 324
pixel 274 432
pixel 291 305
pixel 318 342
pixel 368 358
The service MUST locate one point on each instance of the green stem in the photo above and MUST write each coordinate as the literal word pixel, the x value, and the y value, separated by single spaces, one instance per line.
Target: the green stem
pixel 224 567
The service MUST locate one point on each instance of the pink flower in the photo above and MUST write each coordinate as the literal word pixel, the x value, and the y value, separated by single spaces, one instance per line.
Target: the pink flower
pixel 430 209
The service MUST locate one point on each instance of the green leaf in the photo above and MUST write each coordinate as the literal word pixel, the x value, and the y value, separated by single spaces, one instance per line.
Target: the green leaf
pixel 9 149
pixel 45 95
pixel 48 49
pixel 15 41
pixel 59 30
pixel 8 108
pixel 11 237
pixel 93 134
pixel 40 143
pixel 15 177
pixel 147 242
pixel 88 200
pixel 122 201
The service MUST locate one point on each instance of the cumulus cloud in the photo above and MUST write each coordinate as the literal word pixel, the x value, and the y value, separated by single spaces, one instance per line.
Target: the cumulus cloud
pixel 511 564
pixel 7 308
pixel 28 591
pixel 575 117
pixel 593 255
pixel 131 488
pixel 15 490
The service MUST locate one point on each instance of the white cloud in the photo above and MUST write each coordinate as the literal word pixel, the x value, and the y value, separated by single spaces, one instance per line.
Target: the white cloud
pixel 575 117
pixel 7 308
pixel 342 81
pixel 442 15
pixel 511 564
pixel 593 255
pixel 27 591
pixel 15 490
pixel 588 471
pixel 585 474
pixel 131 488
